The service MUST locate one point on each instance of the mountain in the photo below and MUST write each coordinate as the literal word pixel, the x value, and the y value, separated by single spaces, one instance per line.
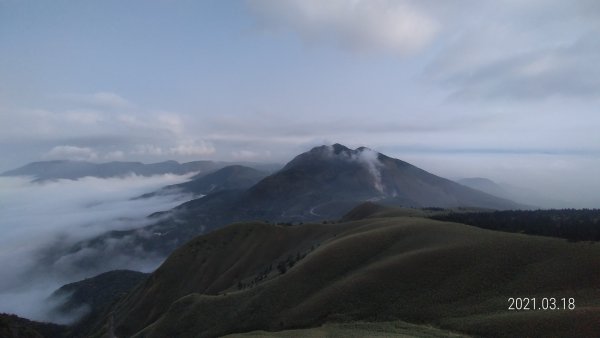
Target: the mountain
pixel 336 173
pixel 227 178
pixel 327 181
pixel 96 292
pixel 64 169
pixel 256 276
pixel 321 184
pixel 88 300
pixel 12 326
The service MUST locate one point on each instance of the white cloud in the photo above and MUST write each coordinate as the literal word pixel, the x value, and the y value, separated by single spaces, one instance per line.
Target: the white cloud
pixel 148 149
pixel 40 217
pixel 184 148
pixel 99 100
pixel 245 154
pixel 78 130
pixel 193 148
pixel 520 51
pixel 71 153
pixel 400 26
pixel 83 117
pixel 114 155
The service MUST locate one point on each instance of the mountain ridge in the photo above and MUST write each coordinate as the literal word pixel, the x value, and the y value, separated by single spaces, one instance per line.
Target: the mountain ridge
pixel 67 169
pixel 321 184
pixel 456 278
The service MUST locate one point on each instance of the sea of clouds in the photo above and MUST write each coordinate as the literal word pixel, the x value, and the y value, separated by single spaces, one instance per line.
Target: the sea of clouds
pixel 36 218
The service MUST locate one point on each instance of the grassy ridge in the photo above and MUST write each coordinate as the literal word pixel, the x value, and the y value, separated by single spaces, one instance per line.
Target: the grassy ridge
pixel 384 269
pixel 358 330
pixel 216 262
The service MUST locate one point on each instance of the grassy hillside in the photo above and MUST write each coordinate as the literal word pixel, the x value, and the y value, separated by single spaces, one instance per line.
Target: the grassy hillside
pixel 422 271
pixel 357 330
pixel 12 326
pixel 219 261
pixel 91 298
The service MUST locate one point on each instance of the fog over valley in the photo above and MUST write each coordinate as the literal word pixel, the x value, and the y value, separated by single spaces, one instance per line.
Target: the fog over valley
pixel 289 168
pixel 39 218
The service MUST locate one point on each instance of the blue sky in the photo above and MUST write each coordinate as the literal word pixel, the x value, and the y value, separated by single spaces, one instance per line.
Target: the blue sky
pixel 505 89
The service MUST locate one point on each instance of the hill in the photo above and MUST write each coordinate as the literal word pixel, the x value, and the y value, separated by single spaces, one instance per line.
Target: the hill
pixel 256 276
pixel 227 178
pixel 98 291
pixel 12 326
pixel 88 300
pixel 358 330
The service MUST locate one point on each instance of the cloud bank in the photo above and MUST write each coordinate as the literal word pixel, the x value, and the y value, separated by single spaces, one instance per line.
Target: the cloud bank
pixel 43 217
pixel 361 25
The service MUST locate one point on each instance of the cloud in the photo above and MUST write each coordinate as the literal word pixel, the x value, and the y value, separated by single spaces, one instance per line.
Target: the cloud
pixel 43 218
pixel 114 155
pixel 562 72
pixel 569 178
pixel 79 130
pixel 71 153
pixel 245 154
pixel 193 148
pixel 148 149
pixel 520 51
pixel 384 25
pixel 185 148
pixel 106 100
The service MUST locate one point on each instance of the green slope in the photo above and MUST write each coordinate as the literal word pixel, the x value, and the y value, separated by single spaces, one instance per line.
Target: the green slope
pixel 418 270
pixel 358 330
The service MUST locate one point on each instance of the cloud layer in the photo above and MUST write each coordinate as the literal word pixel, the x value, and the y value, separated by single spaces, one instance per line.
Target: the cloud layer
pixel 47 216
pixel 360 25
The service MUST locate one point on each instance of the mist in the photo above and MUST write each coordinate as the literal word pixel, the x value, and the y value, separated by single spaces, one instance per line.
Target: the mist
pixel 540 180
pixel 40 217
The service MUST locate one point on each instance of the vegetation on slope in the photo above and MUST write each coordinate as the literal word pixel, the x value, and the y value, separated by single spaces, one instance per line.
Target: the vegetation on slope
pixel 12 326
pixel 571 224
pixel 91 298
pixel 357 330
pixel 449 275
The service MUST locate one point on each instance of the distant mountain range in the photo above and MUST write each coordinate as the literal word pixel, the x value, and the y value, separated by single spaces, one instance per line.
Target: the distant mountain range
pixel 64 169
pixel 227 178
pixel 321 184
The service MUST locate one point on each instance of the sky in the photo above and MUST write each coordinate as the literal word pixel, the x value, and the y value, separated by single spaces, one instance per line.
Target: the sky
pixel 506 89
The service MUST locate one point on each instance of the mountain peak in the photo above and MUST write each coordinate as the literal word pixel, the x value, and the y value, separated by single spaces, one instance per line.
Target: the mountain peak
pixel 337 173
pixel 331 149
pixel 337 149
